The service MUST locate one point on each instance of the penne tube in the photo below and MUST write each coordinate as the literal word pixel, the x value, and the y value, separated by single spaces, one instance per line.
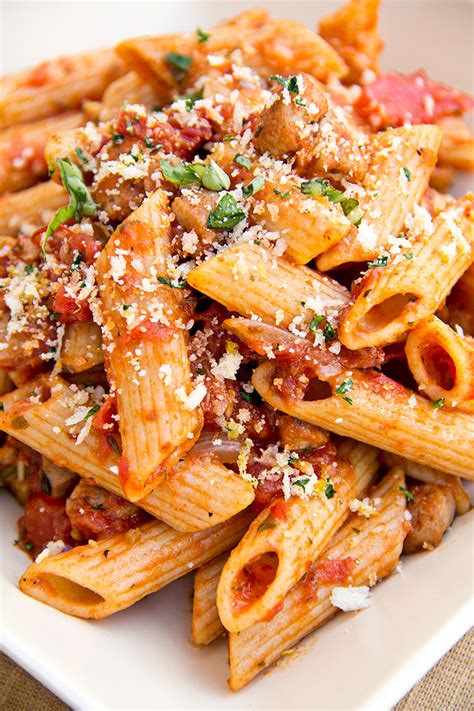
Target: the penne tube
pixel 32 207
pixel 308 224
pixel 382 413
pixel 129 87
pixel 249 279
pixel 145 344
pixel 81 347
pixel 394 299
pixel 196 493
pixel 442 363
pixel 459 303
pixel 22 161
pixel 457 146
pixel 206 623
pixel 285 539
pixel 352 30
pixel 396 179
pixel 109 575
pixel 269 47
pixel 363 552
pixel 56 85
pixel 427 475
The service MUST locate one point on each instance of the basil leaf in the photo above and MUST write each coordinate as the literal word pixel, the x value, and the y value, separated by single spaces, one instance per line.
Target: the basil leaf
pixel 244 161
pixel 201 35
pixel 179 174
pixel 290 83
pixel 227 214
pixel 314 323
pixel 178 65
pixel 253 187
pixel 345 386
pixel 409 496
pixel 214 178
pixel 80 199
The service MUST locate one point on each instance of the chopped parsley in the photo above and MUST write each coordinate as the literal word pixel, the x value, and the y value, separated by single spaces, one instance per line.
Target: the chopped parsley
pixel 299 101
pixel 129 129
pixel 190 99
pixel 381 261
pixel 439 403
pixel 330 490
pixel 29 269
pixel 407 173
pixel 80 199
pixel 407 493
pixel 302 483
pixel 117 138
pixel 97 507
pixel 408 255
pixel 227 214
pixel 178 65
pixel 253 187
pixel 95 408
pixel 149 143
pixel 245 162
pixel 126 307
pixel 181 283
pixel 228 138
pixel 201 35
pixel 267 524
pixel 345 386
pixel 315 322
pixel 289 83
pixel 28 546
pixel 329 332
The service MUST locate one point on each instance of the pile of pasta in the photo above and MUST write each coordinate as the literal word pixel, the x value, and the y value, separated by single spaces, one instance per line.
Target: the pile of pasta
pixel 237 319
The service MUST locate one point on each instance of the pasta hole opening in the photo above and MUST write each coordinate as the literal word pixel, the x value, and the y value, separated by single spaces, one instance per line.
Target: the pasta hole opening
pixel 317 390
pixel 253 580
pixel 382 315
pixel 67 589
pixel 440 367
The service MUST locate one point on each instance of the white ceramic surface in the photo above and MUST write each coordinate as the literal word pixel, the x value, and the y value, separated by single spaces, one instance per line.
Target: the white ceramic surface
pixel 141 658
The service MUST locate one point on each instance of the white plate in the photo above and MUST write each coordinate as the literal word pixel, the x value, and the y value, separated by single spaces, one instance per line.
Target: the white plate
pixel 141 658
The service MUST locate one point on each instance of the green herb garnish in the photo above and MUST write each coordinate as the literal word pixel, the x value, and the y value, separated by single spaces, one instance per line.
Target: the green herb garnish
pixel 329 332
pixel 178 65
pixel 345 386
pixel 407 493
pixel 381 261
pixel 290 83
pixel 245 162
pixel 439 403
pixel 80 199
pixel 179 285
pixel 267 524
pixel 315 322
pixel 253 187
pixel 407 173
pixel 95 408
pixel 330 490
pixel 227 214
pixel 201 35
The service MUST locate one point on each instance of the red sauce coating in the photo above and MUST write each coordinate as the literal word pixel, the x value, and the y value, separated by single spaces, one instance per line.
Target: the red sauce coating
pixel 70 308
pixel 45 520
pixel 253 580
pixel 279 510
pixel 96 513
pixel 148 330
pixel 329 572
pixel 394 99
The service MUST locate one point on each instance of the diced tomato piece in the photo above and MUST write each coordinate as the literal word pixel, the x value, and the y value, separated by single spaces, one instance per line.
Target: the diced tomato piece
pixel 279 510
pixel 148 330
pixel 329 572
pixel 395 99
pixel 70 309
pixel 105 418
pixel 45 520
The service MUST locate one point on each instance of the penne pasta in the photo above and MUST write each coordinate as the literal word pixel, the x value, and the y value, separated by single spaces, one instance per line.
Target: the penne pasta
pixel 81 346
pixel 285 539
pixel 129 87
pixel 382 413
pixel 457 146
pixel 278 290
pixel 106 576
pixel 397 177
pixel 442 363
pixel 353 32
pixel 159 419
pixel 394 299
pixel 363 552
pixel 56 85
pixel 206 623
pixel 22 161
pixel 196 493
pixel 30 208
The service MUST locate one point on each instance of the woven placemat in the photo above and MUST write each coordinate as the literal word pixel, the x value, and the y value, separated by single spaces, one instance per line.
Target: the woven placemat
pixel 447 687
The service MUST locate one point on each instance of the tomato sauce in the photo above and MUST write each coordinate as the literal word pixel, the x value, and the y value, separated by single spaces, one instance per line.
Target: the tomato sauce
pixel 329 572
pixel 45 520
pixel 253 580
